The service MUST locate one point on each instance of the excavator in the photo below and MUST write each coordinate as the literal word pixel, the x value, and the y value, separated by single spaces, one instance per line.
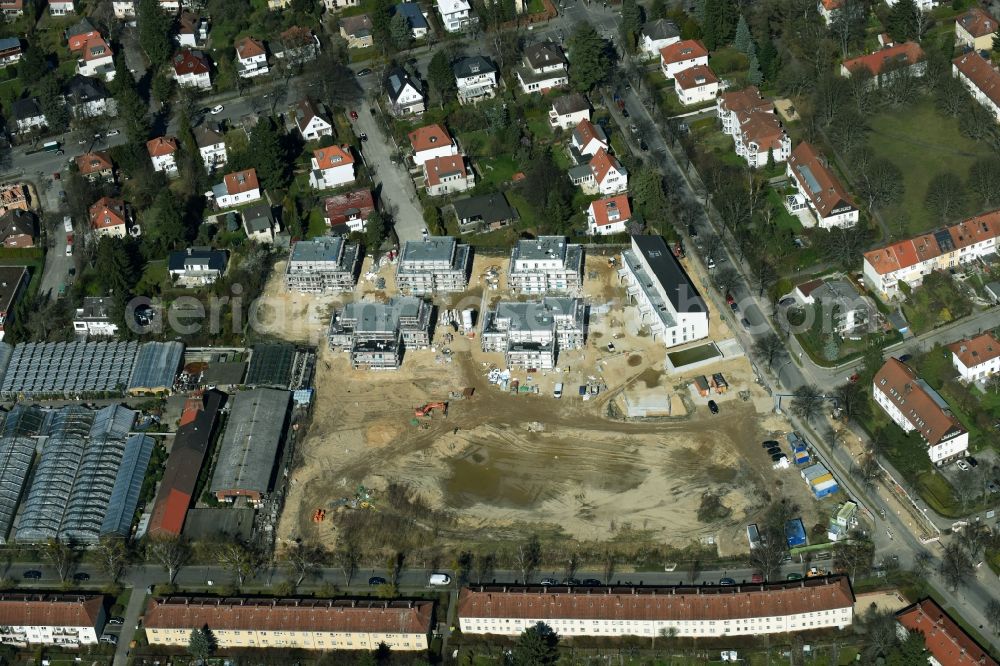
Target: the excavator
pixel 430 407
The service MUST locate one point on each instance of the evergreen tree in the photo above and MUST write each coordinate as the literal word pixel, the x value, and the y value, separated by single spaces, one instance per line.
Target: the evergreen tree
pixel 647 189
pixel 743 40
pixel 831 350
pixel 163 224
pixel 440 76
pixel 754 75
pixel 900 23
pixel 154 31
pixel 200 644
pixel 381 24
pixel 768 60
pixel 699 11
pixel 399 28
pixel 33 64
pixel 537 646
pixel 996 43
pixel 52 103
pixel 268 156
pixel 590 58
pixel 376 230
pixel 631 24
pixel 131 109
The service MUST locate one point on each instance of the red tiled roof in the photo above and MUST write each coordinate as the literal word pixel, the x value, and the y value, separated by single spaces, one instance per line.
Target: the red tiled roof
pixel 248 47
pixel 980 73
pixel 438 167
pixel 107 213
pixel 831 194
pixel 908 52
pixel 747 100
pixel 977 22
pixel 190 62
pixel 241 181
pixel 945 640
pixel 601 163
pixel 897 382
pixel 662 604
pixel 695 77
pixel 832 5
pixel 428 137
pixel 96 48
pixel 303 614
pixel 161 146
pixel 50 610
pixel 974 351
pixel 611 210
pixel 79 41
pixel 683 50
pixel 909 252
pixel 90 163
pixel 762 128
pixel 350 206
pixel 333 156
pixel 585 132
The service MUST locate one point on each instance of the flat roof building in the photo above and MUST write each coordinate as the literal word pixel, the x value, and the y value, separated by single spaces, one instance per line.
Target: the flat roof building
pixel 94 318
pixel 377 334
pixel 323 264
pixel 690 611
pixel 63 620
pixel 299 623
pixel 532 334
pixel 545 264
pixel 434 264
pixel 666 298
pixel 156 367
pixel 249 449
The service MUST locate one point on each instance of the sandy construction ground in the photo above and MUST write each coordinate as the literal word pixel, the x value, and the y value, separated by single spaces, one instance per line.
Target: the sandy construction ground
pixel 502 460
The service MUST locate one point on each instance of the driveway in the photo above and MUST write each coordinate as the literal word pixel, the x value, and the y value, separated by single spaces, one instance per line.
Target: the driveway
pixel 57 264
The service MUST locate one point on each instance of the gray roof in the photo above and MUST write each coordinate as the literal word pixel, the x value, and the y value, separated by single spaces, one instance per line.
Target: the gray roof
pixel 432 248
pixel 411 10
pixel 79 28
pixel 22 109
pixel 668 272
pixel 994 289
pixel 178 261
pixel 543 54
pixel 17 450
pixel 374 317
pixel 357 26
pixel 543 247
pixel 661 29
pixel 156 365
pixel 16 222
pixel 271 365
pixel 835 290
pixel 95 307
pixel 86 89
pixel 68 368
pixel 9 43
pixel 208 135
pixel 570 104
pixel 488 208
pixel 128 486
pixel 323 248
pixel 258 217
pixel 535 315
pixel 396 81
pixel 249 447
pixel 471 66
pixel 579 171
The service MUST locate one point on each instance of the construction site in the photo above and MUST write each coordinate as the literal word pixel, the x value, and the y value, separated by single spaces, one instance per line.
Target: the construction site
pixel 455 448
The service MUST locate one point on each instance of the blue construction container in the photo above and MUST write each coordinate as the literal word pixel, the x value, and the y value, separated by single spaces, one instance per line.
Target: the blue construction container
pixel 825 488
pixel 795 533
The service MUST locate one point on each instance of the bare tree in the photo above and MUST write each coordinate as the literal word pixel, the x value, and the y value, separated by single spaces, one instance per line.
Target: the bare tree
pixel 992 613
pixel 484 566
pixel 726 278
pixel 303 559
pixel 768 554
pixel 242 561
pixel 395 568
pixel 956 565
pixel 572 562
pixel 922 562
pixel 60 556
pixel 769 347
pixel 169 551
pixel 868 471
pixel 807 402
pixel 527 555
pixel 113 556
pixel 854 554
pixel 348 556
pixel 609 565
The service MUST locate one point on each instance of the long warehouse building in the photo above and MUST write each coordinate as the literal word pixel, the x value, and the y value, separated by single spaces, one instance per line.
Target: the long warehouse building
pixel 691 611
pixel 249 450
pixel 17 450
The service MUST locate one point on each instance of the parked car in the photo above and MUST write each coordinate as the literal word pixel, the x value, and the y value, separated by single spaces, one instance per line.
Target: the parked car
pixel 32 574
pixel 625 113
pixel 692 231
pixel 375 581
pixel 793 576
pixel 363 136
pixel 757 578
pixel 727 581
pixel 972 461
pixel 365 71
pixel 570 581
pixel 354 114
pixel 710 263
pixel 962 465
pixel 112 132
pixel 116 620
pixel 439 579
pixel 769 444
pixel 746 323
pixel 775 457
pixel 993 487
pixel 773 450
pixel 549 581
pixel 713 407
pixel 590 582
pixel 611 347
pixel 217 109
pixel 81 577
pixel 729 298
pixel 905 357
pixel 109 638
pixel 735 307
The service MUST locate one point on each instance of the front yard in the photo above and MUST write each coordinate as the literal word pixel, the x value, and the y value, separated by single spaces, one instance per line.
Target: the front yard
pixel 937 302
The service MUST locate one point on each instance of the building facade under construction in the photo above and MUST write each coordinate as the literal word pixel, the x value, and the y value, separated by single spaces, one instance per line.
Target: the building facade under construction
pixel 377 334
pixel 531 335
pixel 544 265
pixel 321 265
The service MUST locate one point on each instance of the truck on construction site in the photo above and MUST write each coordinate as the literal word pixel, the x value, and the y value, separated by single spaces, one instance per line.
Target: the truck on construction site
pixel 719 383
pixel 467 320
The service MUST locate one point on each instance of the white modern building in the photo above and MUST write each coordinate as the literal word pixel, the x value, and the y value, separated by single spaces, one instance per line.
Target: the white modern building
pixel 93 319
pixel 332 166
pixel 821 199
pixel 531 334
pixel 59 619
pixel 914 406
pixel 435 264
pixel 650 612
pixel 376 335
pixel 456 15
pixel 664 296
pixel 196 266
pixel 211 146
pixel 976 358
pixel 475 78
pixel 567 111
pixel 124 9
pixel 251 58
pixel 545 265
pixel 543 67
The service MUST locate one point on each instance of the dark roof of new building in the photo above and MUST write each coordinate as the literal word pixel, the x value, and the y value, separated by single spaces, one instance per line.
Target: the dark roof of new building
pixel 17 222
pixel 271 365
pixel 22 109
pixel 249 448
pixel 544 54
pixel 86 88
pixel 489 208
pixel 661 29
pixel 177 261
pixel 570 104
pixel 397 79
pixel 668 271
pixel 258 217
pixel 10 281
pixel 471 66
pixel 411 10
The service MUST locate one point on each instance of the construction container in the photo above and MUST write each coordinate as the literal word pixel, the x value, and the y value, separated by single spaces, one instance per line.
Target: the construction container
pixel 810 473
pixel 801 456
pixel 826 488
pixel 701 383
pixel 820 479
pixel 795 533
pixel 719 383
pixel 753 535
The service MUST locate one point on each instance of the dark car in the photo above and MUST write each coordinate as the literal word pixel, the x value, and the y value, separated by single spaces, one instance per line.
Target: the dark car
pixel 570 581
pixel 116 620
pixel 727 581
pixel 364 136
pixel 625 113
pixel 364 72
pixel 972 461
pixel 793 576
pixel 905 357
pixel 770 443
pixel 746 323
pixel 713 407
pixel 33 574
pixel 376 580
pixel 590 582
pixel 785 302
pixel 549 581
pixel 757 578
pixel 643 145
pixel 692 231
pixel 81 577
pixel 734 306
pixel 772 450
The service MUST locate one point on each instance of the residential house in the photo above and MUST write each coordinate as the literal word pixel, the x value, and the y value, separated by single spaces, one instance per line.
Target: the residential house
pixel 456 15
pixel 322 265
pixel 376 335
pixel 486 212
pixel 887 63
pixel 237 188
pixel 13 282
pixel 682 55
pixel 603 174
pixel 588 138
pixel 89 98
pixel 94 55
pixel 543 67
pixel 297 45
pixel 63 620
pixel 447 175
pixel 657 35
pixel 404 92
pixel 171 7
pixel 18 228
pixel 11 9
pixel 545 264
pixel 192 30
pixel 357 30
pixel 975 29
pixel 911 259
pixel 696 85
pixel 310 124
pixel 163 153
pixel 346 213
pixel 757 133
pixel 839 301
pixel 435 264
pixel 922 5
pixel 211 146
pixel 275 5
pixel 192 69
pixel 946 643
pixel 608 216
pixel 337 5
pixel 123 9
pixel 431 141
pixel 415 17
pixel 531 334
pixel 979 77
pixel 475 78
pixel 10 51
pixel 914 406
pixel 79 33
pixel 61 7
pixel 27 115
pixel 259 223
pixel 687 611
pixel 13 197
pixel 567 111
pixel 665 298
pixel 93 319
pixel 109 217
pixel 196 266
pixel 96 166
pixel 976 358
pixel 332 166
pixel 828 9
pixel 251 58
pixel 820 192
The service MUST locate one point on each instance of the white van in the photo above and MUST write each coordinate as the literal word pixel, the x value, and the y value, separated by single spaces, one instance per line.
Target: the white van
pixel 557 393
pixel 439 579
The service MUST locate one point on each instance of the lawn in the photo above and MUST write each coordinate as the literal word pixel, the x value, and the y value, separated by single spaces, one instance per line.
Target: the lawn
pixel 937 302
pixel 496 171
pixel 907 137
